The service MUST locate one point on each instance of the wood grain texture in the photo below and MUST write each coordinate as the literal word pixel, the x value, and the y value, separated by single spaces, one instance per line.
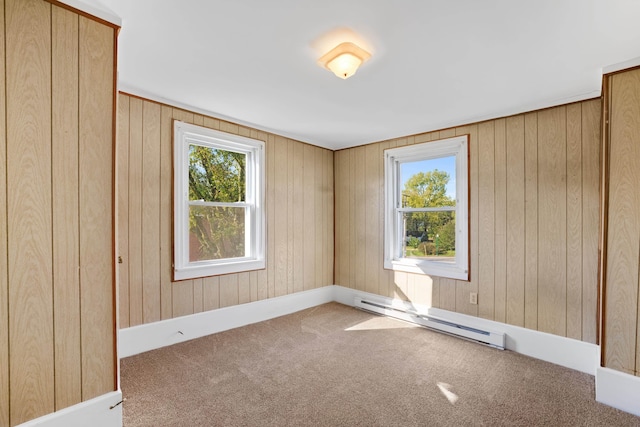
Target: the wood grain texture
pixel 318 279
pixel 151 113
pixel 299 240
pixel 65 219
pixel 360 244
pixel 29 227
pixel 623 246
pixel 122 193
pixel 309 212
pixel 486 220
pixel 515 221
pixel 96 65
pixel 552 221
pixel 295 175
pixel 4 296
pixel 574 221
pixel 290 217
pixel 342 212
pixel 518 171
pixel 500 203
pixel 281 230
pixel 135 162
pixel 166 210
pixel 590 219
pixel 372 183
pixel 531 221
pixel 271 215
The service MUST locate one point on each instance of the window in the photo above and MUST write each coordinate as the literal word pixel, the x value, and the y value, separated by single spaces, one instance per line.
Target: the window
pixel 218 224
pixel 426 216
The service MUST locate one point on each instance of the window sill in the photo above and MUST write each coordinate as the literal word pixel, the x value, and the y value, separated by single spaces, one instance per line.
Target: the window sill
pixel 197 271
pixel 438 269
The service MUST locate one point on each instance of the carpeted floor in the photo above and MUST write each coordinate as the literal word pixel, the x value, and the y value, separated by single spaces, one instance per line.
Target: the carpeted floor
pixel 337 366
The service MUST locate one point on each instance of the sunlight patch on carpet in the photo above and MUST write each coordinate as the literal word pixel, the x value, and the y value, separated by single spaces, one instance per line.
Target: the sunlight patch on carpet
pixel 451 396
pixel 379 323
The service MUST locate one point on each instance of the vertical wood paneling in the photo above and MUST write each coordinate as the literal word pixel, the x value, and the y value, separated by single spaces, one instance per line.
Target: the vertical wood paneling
pixel 135 211
pixel 515 163
pixel 360 244
pixel 317 218
pixel 244 288
pixel 486 220
pixel 309 211
pixel 280 231
pixel 64 161
pixel 590 219
pixel 519 224
pixel 151 212
pixel 28 81
pixel 299 240
pixel 500 245
pixel 552 221
pixel 57 307
pixel 122 191
pixel 229 290
pixel 4 297
pixel 574 221
pixel 299 214
pixel 166 211
pixel 290 217
pixel 96 60
pixel 351 224
pixel 211 293
pixel 271 215
pixel 384 275
pixel 531 220
pixel 623 246
pixel 372 184
pixel 342 214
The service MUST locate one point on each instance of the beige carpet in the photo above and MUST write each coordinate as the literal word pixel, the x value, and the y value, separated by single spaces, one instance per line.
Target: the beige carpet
pixel 337 366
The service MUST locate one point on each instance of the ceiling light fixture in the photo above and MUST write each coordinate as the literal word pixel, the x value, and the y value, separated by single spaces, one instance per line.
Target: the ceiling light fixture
pixel 344 59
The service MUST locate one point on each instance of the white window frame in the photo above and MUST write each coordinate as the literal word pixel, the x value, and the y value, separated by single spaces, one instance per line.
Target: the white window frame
pixel 184 135
pixel 393 231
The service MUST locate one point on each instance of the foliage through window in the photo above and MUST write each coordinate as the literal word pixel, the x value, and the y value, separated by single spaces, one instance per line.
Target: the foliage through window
pixel 218 207
pixel 426 219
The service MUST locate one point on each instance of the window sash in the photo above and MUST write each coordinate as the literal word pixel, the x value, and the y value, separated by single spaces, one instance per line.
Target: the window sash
pixel 394 229
pixel 186 135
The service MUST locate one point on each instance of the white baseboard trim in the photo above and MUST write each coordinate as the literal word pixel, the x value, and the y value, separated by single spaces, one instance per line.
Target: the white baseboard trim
pixel 96 412
pixel 617 389
pixel 567 352
pixel 574 354
pixel 138 339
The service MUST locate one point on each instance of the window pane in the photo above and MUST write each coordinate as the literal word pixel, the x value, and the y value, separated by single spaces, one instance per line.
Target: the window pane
pixel 216 175
pixel 216 232
pixel 428 183
pixel 429 235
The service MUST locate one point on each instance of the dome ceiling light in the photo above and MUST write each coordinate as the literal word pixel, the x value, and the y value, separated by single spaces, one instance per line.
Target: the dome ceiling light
pixel 344 59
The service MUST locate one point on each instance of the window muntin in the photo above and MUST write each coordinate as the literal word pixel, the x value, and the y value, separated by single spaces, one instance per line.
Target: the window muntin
pixel 426 217
pixel 218 202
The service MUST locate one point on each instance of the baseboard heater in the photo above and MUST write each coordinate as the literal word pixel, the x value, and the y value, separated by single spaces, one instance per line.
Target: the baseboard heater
pixel 490 338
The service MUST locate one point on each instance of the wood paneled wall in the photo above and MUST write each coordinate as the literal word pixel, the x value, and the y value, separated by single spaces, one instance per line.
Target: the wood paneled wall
pixel 621 340
pixel 533 218
pixel 299 195
pixel 57 317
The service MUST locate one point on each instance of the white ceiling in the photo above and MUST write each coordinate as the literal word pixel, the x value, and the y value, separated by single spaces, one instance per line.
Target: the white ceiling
pixel 435 63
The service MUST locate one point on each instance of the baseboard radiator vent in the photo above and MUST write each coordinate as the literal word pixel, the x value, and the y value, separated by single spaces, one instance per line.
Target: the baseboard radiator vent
pixel 490 338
